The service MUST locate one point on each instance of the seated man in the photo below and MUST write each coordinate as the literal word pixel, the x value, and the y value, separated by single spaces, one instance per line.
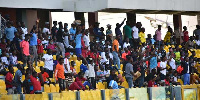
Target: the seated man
pixel 44 75
pixel 113 83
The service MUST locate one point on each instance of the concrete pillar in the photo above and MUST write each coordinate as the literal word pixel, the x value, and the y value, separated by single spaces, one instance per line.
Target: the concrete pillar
pixel 177 28
pixel 92 18
pixel 131 17
pixel 80 16
pixel 31 16
pixel 198 19
pixel 43 15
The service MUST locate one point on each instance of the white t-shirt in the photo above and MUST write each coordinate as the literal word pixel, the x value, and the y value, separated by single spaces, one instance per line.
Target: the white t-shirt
pixel 172 63
pixel 5 60
pixel 86 39
pixel 126 45
pixel 197 42
pixel 91 70
pixel 45 43
pixel 135 34
pixel 163 65
pixel 66 41
pixel 24 29
pixel 14 60
pixel 66 62
pixel 48 61
pixel 46 30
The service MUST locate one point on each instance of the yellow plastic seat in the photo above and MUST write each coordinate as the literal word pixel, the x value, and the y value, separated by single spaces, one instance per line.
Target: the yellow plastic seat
pixel 46 88
pixel 57 88
pixel 54 57
pixel 121 66
pixel 41 63
pixel 15 69
pixel 44 51
pixel 53 88
pixel 20 62
pixel 37 69
pixel 180 81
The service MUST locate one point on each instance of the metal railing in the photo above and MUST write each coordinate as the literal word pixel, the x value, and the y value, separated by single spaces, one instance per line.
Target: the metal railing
pixel 2 26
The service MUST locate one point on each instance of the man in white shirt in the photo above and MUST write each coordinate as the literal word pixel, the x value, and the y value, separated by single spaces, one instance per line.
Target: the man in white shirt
pixel 126 43
pixel 135 32
pixel 24 29
pixel 66 64
pixel 163 71
pixel 86 39
pixel 48 63
pixel 46 28
pixel 91 66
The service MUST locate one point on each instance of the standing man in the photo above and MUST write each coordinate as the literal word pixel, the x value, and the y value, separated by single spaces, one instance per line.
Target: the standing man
pixel 10 31
pixel 185 34
pixel 118 31
pixel 129 73
pixel 197 31
pixel 135 32
pixel 59 40
pixel 127 32
pixel 25 49
pixel 54 29
pixel 59 74
pixel 9 80
pixel 48 63
pixel 72 31
pixel 46 29
pixel 97 32
pixel 78 42
pixel 33 46
pixel 18 77
pixel 158 35
pixel 116 54
pixel 109 33
pixel 186 71
pixel 24 29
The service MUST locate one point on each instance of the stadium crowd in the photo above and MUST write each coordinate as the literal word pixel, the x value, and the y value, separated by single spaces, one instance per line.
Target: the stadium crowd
pixel 127 55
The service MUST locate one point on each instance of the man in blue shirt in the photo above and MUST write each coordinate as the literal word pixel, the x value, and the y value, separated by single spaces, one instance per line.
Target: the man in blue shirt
pixel 97 32
pixel 17 78
pixel 10 31
pixel 113 83
pixel 33 44
pixel 72 31
pixel 78 42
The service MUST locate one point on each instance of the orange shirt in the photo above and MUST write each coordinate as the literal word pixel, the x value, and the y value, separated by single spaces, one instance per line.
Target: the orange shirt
pixel 25 47
pixel 59 72
pixel 115 42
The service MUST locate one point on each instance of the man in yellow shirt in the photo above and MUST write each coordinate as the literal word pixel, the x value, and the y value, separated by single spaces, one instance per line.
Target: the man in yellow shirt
pixel 142 36
pixel 115 52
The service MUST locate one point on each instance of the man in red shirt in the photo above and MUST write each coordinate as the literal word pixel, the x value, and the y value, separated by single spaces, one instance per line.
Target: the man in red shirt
pixel 185 34
pixel 36 84
pixel 9 80
pixel 45 75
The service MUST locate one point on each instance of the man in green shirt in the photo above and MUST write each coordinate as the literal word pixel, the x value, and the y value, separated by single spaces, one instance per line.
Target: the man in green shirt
pixel 127 32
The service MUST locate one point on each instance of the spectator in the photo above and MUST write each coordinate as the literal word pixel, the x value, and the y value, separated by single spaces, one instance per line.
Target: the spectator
pixel 129 72
pixel 113 83
pixel 48 63
pixel 115 48
pixel 36 84
pixel 158 35
pixel 24 29
pixel 25 49
pixel 17 78
pixel 186 34
pixel 186 71
pixel 9 80
pixel 9 31
pixel 59 74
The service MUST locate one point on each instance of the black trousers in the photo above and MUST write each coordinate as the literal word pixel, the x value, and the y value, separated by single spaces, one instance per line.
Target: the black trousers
pixel 61 84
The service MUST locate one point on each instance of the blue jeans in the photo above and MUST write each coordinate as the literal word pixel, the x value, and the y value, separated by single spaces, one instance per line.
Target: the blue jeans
pixel 19 89
pixel 186 79
pixel 116 59
pixel 141 81
pixel 130 81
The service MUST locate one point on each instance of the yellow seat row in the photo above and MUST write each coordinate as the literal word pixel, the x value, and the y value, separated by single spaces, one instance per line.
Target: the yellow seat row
pixel 51 88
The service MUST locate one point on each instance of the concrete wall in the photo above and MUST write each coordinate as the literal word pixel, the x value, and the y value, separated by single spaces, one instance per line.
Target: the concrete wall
pixel 96 5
